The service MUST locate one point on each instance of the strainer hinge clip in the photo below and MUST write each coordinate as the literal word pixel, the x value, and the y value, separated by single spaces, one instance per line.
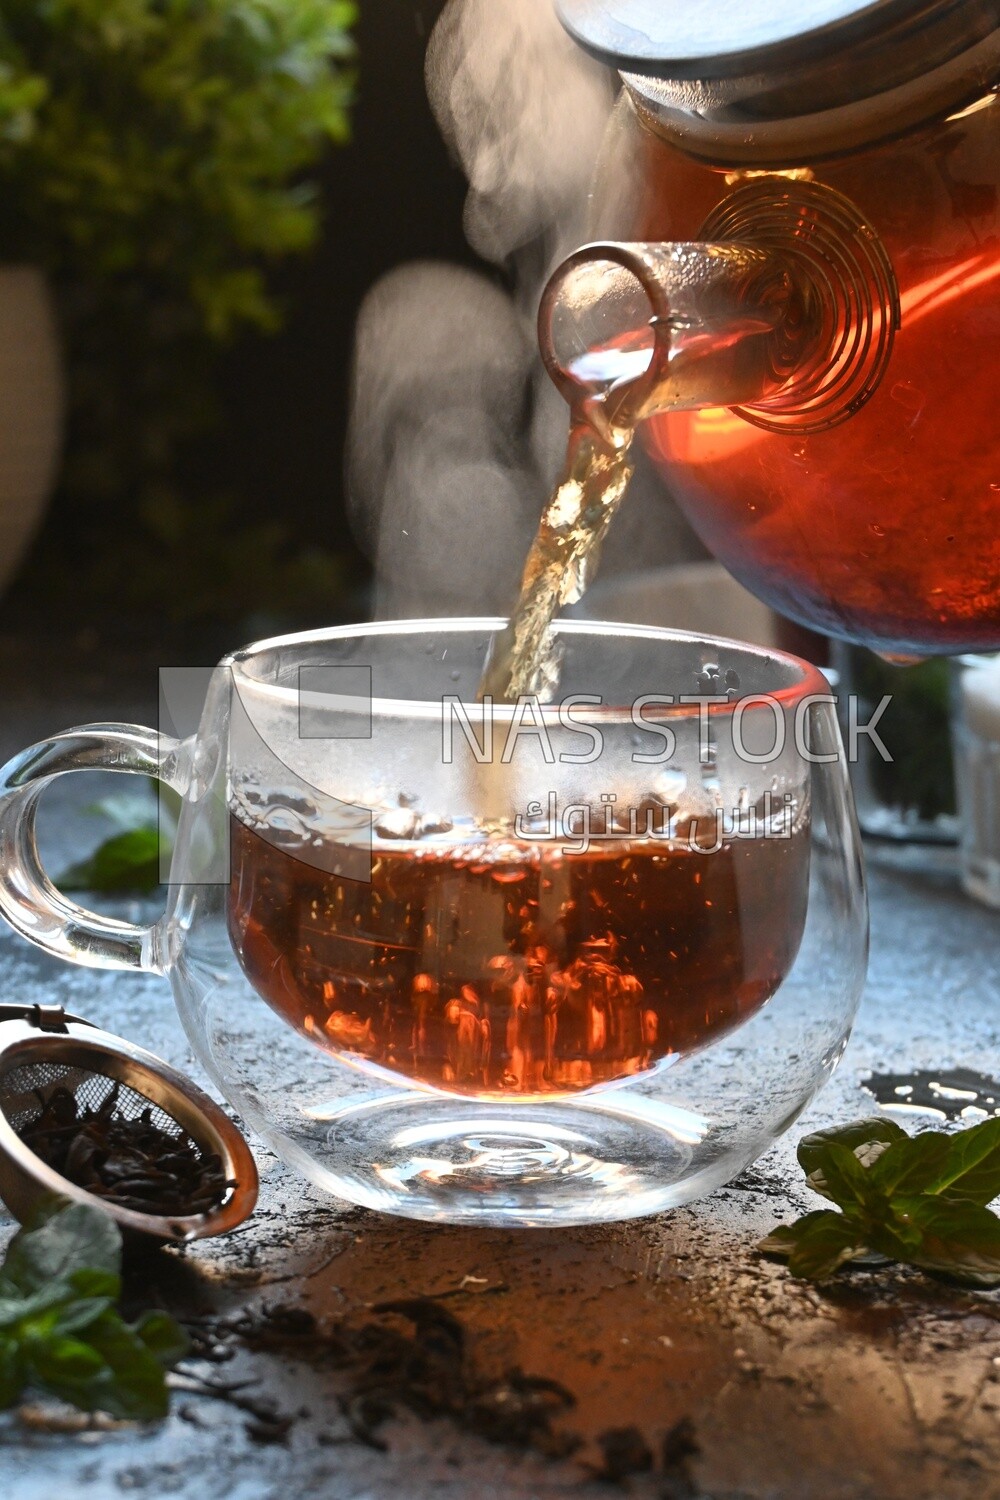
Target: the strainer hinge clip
pixel 51 1018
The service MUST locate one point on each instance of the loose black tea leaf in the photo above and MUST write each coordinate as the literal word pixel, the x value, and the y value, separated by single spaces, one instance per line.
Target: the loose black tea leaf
pixel 416 1355
pixel 127 1160
pixel 680 1447
pixel 624 1451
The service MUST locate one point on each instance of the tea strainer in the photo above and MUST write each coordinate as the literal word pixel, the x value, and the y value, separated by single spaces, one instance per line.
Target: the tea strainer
pixel 44 1050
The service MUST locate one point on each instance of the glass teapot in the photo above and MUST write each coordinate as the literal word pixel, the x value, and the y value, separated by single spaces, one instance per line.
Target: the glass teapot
pixel 798 281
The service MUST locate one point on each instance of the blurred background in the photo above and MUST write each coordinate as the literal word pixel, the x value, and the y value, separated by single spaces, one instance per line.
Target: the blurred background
pixel 204 212
pixel 195 202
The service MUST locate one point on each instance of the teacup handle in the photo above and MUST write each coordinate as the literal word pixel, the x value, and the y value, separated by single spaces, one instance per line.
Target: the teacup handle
pixel 28 899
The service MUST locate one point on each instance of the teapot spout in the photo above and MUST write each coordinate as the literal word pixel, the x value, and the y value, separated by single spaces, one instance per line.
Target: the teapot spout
pixel 635 329
pixel 787 315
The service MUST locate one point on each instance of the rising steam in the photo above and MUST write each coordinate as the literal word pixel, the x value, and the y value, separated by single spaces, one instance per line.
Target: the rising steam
pixel 524 110
pixel 456 433
pixel 442 494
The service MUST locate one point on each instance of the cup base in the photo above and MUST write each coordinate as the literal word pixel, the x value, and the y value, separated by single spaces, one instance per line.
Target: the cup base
pixel 419 1156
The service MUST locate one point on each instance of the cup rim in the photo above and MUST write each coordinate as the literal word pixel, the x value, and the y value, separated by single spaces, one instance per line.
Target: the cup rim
pixel 811 683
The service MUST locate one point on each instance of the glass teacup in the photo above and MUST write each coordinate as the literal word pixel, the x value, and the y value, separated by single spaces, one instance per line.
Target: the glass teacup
pixel 524 963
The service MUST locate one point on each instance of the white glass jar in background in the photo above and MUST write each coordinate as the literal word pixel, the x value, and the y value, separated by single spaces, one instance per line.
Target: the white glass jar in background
pixel 976 738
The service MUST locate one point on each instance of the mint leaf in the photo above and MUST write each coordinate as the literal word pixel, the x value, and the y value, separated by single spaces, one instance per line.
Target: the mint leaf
pixel 861 1133
pixel 839 1175
pixel 829 1241
pixel 60 1331
pixel 918 1200
pixel 784 1237
pixel 165 1339
pixel 79 1315
pixel 12 1376
pixel 913 1165
pixel 14 1309
pixel 128 810
pixel 65 1238
pixel 972 1170
pixel 964 1166
pixel 66 1368
pixel 125 862
pixel 90 1283
pixel 135 1386
pixel 958 1238
pixel 130 858
pixel 817 1244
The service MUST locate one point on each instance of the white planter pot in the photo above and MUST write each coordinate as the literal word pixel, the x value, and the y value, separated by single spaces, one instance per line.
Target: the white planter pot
pixel 32 400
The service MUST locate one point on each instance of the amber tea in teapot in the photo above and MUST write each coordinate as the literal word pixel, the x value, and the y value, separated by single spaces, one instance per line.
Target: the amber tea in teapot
pixel 852 479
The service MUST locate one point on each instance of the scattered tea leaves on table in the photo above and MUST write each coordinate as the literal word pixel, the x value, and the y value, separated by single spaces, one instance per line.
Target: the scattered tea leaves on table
pixel 433 1372
pixel 624 1451
pixel 680 1447
pixel 411 1354
pixel 919 1200
pixel 60 1331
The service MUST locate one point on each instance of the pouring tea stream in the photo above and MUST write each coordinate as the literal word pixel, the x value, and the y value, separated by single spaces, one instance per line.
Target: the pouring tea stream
pixel 796 334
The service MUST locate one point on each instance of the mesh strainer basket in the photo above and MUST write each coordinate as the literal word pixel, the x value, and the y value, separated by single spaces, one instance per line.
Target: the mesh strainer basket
pixel 43 1050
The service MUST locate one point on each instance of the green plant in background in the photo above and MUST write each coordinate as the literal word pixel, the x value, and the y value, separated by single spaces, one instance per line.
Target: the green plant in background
pixel 153 160
pixel 168 136
pixel 920 778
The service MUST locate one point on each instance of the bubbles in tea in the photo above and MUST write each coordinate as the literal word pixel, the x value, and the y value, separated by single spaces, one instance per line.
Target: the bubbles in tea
pixel 502 967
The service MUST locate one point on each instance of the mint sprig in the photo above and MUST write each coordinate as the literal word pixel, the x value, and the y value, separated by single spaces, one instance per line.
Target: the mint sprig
pixel 130 859
pixel 125 862
pixel 920 1200
pixel 60 1331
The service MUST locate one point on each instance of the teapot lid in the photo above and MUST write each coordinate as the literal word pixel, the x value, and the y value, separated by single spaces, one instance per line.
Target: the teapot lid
pixel 722 38
pixel 732 65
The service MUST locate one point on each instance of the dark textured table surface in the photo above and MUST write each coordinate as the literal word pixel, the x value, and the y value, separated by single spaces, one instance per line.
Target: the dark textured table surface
pixel 881 1386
